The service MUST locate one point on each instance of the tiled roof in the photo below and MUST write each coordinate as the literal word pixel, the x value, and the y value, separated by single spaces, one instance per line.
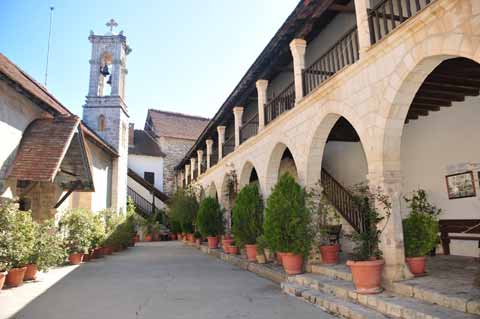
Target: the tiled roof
pixel 144 144
pixel 43 147
pixel 178 125
pixel 44 99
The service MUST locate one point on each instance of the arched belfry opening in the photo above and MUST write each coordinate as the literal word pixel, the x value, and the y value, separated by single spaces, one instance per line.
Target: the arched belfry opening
pixel 105 75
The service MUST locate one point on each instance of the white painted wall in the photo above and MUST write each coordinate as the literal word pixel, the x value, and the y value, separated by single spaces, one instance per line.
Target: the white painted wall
pixel 16 113
pixel 141 163
pixel 346 162
pixel 102 178
pixel 144 193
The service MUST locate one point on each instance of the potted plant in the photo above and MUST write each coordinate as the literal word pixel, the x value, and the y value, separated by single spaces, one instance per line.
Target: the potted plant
pixel 420 231
pixel 210 221
pixel 198 238
pixel 76 227
pixel 326 224
pixel 232 249
pixel 47 250
pixel 287 223
pixel 20 231
pixel 247 219
pixel 367 263
pixel 183 209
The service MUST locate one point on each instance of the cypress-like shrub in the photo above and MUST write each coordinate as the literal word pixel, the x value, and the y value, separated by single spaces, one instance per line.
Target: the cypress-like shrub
pixel 287 219
pixel 183 209
pixel 210 218
pixel 247 216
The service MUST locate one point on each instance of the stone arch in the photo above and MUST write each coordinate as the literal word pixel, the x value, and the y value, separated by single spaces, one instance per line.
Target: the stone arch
pixel 247 175
pixel 274 165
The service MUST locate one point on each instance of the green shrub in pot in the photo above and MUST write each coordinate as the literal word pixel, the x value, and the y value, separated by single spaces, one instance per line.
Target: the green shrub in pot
pixel 210 221
pixel 76 229
pixel 247 216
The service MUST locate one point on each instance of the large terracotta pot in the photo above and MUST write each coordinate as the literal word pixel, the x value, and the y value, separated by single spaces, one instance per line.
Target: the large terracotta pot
pixel 280 257
pixel 108 250
pixel 75 259
pixel 329 254
pixel 2 279
pixel 367 275
pixel 226 243
pixel 191 238
pixel 416 265
pixel 15 276
pixel 173 236
pixel 98 252
pixel 31 272
pixel 292 263
pixel 212 242
pixel 251 252
pixel 232 250
pixel 148 238
pixel 136 238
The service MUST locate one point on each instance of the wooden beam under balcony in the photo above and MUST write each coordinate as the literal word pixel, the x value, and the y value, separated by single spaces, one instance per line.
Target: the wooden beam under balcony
pixel 342 8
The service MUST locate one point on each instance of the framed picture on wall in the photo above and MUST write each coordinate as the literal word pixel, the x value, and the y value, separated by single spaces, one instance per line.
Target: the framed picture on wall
pixel 460 185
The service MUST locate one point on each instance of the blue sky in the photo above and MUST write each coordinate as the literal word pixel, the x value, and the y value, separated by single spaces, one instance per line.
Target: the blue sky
pixel 187 55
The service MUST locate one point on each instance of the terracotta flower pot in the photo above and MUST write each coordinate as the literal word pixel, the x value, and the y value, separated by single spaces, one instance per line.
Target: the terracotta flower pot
pixel 31 272
pixel 108 250
pixel 233 250
pixel 251 252
pixel 280 257
pixel 329 254
pixel 416 265
pixel 15 276
pixel 3 275
pixel 75 259
pixel 191 238
pixel 98 252
pixel 86 257
pixel 173 236
pixel 292 263
pixel 226 243
pixel 367 275
pixel 136 238
pixel 148 238
pixel 212 242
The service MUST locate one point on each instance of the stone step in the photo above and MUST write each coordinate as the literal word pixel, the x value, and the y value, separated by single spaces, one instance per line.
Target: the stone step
pixel 338 271
pixel 329 303
pixel 390 304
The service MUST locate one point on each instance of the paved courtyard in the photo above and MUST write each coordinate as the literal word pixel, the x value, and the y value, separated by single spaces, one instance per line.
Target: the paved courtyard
pixel 160 280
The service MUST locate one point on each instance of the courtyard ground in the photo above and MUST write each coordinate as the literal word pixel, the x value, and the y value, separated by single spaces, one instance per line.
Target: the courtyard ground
pixel 154 280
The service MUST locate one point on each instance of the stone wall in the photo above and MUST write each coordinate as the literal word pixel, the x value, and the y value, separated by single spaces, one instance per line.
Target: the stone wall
pixel 175 149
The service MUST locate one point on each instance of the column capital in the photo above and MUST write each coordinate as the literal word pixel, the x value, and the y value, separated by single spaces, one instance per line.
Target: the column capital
pixel 261 85
pixel 200 153
pixel 238 110
pixel 221 129
pixel 192 161
pixel 209 144
pixel 298 46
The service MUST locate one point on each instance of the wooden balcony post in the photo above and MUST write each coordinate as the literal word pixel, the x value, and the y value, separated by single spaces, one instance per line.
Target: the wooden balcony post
pixel 362 26
pixel 238 114
pixel 262 86
pixel 209 143
pixel 187 171
pixel 298 48
pixel 199 160
pixel 221 140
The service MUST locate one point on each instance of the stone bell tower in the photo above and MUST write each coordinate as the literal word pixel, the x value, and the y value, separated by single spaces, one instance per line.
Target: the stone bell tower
pixel 105 110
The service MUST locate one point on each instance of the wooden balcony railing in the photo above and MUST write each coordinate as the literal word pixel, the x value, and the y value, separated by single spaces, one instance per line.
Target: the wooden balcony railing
pixel 343 201
pixel 249 128
pixel 281 103
pixel 341 54
pixel 389 14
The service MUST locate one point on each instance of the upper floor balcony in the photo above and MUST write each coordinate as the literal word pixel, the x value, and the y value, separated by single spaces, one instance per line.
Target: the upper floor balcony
pixel 317 41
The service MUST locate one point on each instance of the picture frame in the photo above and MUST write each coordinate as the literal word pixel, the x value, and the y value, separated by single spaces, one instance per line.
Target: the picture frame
pixel 461 185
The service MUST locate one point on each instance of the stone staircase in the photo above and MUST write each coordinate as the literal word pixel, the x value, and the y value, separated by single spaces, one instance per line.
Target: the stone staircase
pixel 331 288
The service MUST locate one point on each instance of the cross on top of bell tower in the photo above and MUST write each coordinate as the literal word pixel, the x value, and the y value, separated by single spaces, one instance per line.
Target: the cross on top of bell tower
pixel 112 24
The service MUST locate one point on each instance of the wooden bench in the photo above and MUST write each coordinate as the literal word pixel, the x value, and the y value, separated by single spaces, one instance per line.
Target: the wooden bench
pixel 458 226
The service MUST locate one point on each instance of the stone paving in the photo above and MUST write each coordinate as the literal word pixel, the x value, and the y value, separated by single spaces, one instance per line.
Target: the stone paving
pixel 159 280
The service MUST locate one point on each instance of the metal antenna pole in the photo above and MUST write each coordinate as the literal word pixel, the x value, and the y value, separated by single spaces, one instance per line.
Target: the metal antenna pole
pixel 48 47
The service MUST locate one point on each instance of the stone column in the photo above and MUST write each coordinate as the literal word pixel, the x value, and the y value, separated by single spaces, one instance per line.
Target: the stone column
pixel 262 86
pixel 362 26
pixel 199 160
pixel 209 143
pixel 391 238
pixel 221 140
pixel 238 114
pixel 187 171
pixel 192 167
pixel 298 48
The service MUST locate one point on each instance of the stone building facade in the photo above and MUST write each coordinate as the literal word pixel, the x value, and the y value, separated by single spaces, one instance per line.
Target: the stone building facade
pixel 175 133
pixel 371 104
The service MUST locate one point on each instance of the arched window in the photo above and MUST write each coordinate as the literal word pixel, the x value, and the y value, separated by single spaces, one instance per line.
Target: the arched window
pixel 101 123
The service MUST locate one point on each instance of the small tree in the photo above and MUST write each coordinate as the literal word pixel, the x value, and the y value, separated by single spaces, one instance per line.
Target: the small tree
pixel 48 248
pixel 370 202
pixel 183 208
pixel 76 228
pixel 210 218
pixel 420 228
pixel 287 219
pixel 247 216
